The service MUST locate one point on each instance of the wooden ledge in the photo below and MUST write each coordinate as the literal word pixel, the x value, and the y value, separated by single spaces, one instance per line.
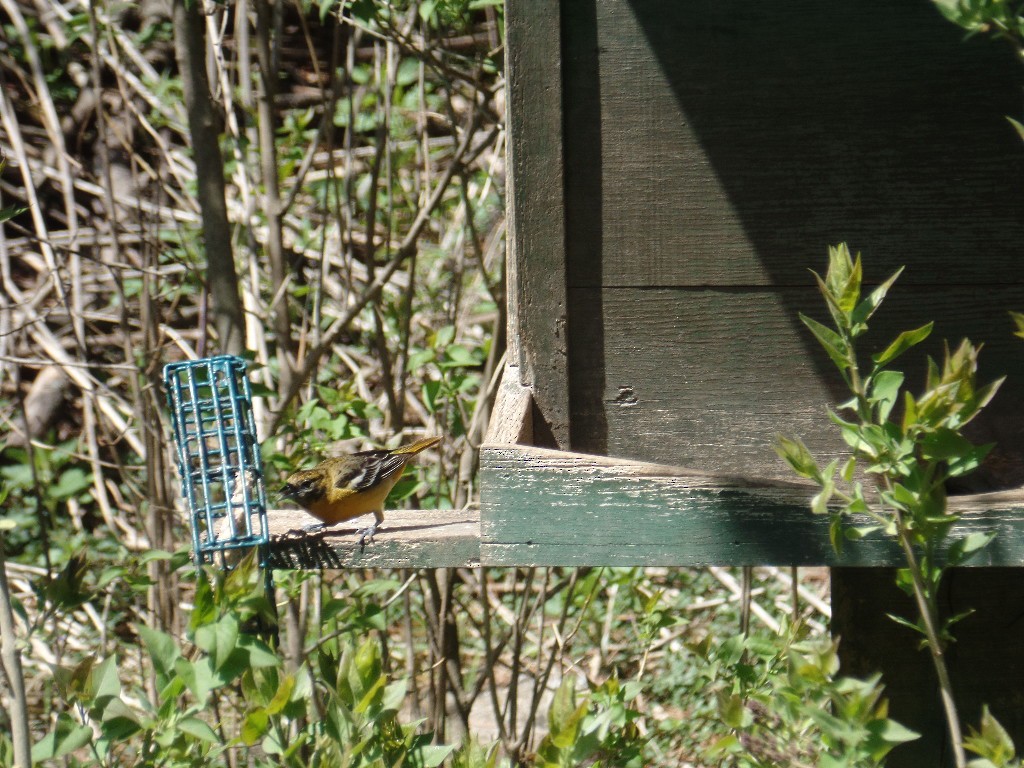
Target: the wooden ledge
pixel 544 507
pixel 408 538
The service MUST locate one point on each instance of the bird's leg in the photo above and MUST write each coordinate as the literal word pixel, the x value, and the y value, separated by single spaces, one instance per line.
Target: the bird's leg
pixel 312 528
pixel 367 533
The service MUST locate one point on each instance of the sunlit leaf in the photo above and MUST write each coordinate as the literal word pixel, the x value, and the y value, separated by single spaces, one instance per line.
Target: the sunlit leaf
pixel 902 343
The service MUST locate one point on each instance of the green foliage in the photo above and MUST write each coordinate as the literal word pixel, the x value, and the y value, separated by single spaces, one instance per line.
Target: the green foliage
pixel 597 729
pixel 336 709
pixel 992 744
pixel 783 702
pixel 910 456
pixel 999 18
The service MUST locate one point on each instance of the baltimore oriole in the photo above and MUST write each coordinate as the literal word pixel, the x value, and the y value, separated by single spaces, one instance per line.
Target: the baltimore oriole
pixel 349 486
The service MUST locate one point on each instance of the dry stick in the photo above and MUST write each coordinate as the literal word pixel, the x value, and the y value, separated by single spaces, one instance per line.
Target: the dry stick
pixel 730 583
pixel 267 53
pixel 169 109
pixel 240 175
pixel 327 130
pixel 13 130
pixel 421 181
pixel 11 659
pixel 252 302
pixel 745 599
pixel 190 50
pixel 384 358
pixel 51 347
pixel 512 693
pixel 339 326
pixel 51 123
pixel 90 420
pixel 37 166
pixel 541 682
pixel 491 653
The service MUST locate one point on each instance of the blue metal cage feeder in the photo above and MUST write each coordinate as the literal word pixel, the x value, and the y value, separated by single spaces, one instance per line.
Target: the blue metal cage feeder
pixel 218 456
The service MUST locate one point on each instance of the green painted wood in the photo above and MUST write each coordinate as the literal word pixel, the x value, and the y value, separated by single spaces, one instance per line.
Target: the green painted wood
pixel 536 221
pixel 541 507
pixel 722 143
pixel 409 538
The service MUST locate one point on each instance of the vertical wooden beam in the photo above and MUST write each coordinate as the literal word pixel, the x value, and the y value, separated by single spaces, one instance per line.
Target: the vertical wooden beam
pixel 537 337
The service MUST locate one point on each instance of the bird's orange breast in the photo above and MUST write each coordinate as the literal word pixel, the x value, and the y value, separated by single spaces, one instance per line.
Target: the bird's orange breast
pixel 344 504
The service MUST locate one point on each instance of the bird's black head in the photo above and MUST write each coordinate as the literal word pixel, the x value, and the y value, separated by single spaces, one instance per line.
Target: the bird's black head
pixel 303 488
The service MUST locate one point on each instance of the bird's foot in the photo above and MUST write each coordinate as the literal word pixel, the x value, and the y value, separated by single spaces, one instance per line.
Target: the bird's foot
pixel 366 535
pixel 314 528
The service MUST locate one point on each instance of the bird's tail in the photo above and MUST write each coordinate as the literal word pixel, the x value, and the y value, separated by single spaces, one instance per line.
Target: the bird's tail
pixel 420 445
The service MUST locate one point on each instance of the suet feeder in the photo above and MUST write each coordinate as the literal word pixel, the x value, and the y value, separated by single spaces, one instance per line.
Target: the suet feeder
pixel 218 456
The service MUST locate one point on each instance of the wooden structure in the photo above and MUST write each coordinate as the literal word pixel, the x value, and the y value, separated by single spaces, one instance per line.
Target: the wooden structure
pixel 675 169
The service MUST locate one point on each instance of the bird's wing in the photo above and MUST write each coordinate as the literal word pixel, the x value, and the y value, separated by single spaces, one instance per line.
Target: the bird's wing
pixel 372 468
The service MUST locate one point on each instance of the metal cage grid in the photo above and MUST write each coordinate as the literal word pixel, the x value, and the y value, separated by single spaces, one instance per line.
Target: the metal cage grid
pixel 218 455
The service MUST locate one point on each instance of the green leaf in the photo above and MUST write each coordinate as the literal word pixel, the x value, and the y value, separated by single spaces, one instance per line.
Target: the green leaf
pixel 10 211
pixel 443 336
pixel 65 738
pixel 891 732
pixel 796 454
pixel 885 389
pixel 991 741
pixel 867 307
pixel 733 711
pixel 162 649
pixel 199 676
pixel 103 680
pixel 431 755
pixel 218 639
pixel 200 729
pixel 1018 126
pixel 969 461
pixel 565 715
pixel 255 727
pixel 835 534
pixel 832 342
pixel 1018 321
pixel 282 696
pixel 820 501
pixel 848 470
pixel 906 623
pixel 963 549
pixel 259 653
pixel 72 482
pixel 858 532
pixel 120 722
pixel 902 343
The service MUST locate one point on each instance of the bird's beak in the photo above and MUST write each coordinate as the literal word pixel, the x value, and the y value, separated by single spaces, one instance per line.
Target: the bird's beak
pixel 287 491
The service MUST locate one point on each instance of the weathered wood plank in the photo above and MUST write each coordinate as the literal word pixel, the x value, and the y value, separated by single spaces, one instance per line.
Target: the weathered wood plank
pixel 724 143
pixel 512 417
pixel 709 378
pixel 536 221
pixel 409 538
pixel 542 507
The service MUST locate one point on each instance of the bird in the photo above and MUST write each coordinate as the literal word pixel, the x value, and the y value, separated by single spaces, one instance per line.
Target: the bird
pixel 340 488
